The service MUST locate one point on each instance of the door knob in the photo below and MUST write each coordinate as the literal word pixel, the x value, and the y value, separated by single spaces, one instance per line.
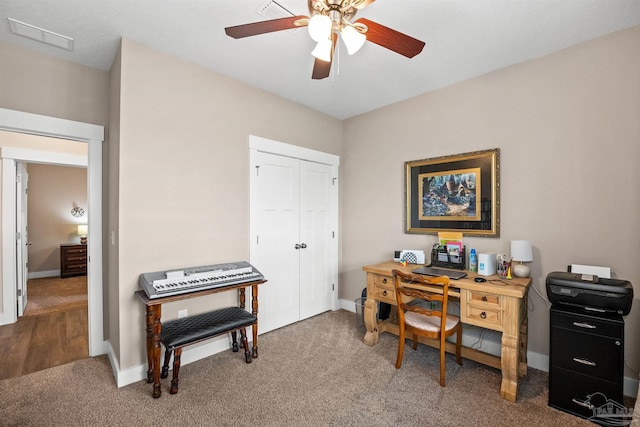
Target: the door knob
pixel 297 246
pixel 303 246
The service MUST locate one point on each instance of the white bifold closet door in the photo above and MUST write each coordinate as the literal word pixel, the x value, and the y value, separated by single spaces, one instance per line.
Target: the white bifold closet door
pixel 292 238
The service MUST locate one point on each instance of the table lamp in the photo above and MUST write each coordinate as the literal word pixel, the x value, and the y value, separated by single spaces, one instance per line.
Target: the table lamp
pixel 83 230
pixel 521 252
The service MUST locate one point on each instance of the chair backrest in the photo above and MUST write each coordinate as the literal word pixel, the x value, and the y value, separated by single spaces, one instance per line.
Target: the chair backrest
pixel 410 286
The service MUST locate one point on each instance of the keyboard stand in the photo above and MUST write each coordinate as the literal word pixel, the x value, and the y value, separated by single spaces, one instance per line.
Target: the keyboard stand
pixel 154 324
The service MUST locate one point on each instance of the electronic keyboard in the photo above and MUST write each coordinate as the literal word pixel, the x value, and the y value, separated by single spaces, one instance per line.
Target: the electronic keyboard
pixel 174 282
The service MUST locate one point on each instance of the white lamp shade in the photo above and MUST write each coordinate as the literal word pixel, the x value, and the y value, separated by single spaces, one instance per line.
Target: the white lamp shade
pixel 353 39
pixel 83 229
pixel 521 251
pixel 319 27
pixel 323 50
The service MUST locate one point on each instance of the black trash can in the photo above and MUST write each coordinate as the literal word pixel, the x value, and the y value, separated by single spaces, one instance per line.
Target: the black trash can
pixel 383 308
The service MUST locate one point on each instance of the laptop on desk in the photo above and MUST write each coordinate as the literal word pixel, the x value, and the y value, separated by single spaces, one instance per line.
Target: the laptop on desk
pixel 436 271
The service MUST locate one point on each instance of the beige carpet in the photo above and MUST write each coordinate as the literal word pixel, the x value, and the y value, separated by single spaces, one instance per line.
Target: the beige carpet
pixel 53 294
pixel 317 372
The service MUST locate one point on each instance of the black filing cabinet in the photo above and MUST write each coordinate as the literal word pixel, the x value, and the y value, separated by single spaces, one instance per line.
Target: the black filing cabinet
pixel 586 360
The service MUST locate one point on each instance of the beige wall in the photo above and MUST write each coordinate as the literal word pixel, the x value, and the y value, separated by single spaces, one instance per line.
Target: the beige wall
pixel 42 84
pixel 53 192
pixel 566 125
pixel 569 136
pixel 183 162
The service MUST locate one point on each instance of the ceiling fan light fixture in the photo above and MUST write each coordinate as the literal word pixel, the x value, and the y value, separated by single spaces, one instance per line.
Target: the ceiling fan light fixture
pixel 320 27
pixel 353 39
pixel 322 50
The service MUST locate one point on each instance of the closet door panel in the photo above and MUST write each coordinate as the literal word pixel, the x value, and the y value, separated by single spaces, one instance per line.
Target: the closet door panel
pixel 275 210
pixel 316 271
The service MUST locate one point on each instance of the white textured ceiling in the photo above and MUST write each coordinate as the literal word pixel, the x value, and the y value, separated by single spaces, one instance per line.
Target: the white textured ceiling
pixel 464 39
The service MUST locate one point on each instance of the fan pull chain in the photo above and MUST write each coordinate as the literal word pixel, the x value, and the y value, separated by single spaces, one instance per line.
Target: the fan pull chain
pixel 335 69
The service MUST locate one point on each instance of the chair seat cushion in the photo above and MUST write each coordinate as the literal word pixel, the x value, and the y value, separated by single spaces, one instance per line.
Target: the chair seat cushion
pixel 429 323
pixel 188 330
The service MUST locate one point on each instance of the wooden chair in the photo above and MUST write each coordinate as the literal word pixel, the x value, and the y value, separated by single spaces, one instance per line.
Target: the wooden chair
pixel 417 320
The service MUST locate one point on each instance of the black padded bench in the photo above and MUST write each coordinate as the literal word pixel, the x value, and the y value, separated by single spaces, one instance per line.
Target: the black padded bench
pixel 190 330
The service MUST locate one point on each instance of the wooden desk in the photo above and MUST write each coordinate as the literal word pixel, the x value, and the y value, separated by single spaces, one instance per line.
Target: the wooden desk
pixel 494 304
pixel 154 325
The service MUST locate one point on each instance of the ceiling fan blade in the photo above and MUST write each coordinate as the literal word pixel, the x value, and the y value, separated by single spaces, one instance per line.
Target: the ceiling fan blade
pixel 262 27
pixel 322 69
pixel 392 39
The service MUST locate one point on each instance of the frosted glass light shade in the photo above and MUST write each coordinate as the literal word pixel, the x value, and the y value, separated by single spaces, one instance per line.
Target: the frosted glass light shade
pixel 319 27
pixel 323 50
pixel 353 39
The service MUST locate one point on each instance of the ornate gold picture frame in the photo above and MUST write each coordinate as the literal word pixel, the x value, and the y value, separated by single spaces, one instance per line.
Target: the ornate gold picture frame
pixel 454 193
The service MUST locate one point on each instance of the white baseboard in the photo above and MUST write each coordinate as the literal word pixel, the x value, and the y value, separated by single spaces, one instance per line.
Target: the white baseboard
pixel 189 355
pixel 534 360
pixel 43 274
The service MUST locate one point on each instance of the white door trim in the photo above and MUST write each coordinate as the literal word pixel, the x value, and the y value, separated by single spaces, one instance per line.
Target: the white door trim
pixel 21 122
pixel 274 147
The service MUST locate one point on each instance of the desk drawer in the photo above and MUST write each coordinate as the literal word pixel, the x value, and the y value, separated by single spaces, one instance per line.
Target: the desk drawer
pixel 483 299
pixel 483 309
pixel 483 315
pixel 384 289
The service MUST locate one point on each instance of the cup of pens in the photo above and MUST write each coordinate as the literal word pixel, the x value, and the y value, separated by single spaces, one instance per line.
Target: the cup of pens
pixel 502 264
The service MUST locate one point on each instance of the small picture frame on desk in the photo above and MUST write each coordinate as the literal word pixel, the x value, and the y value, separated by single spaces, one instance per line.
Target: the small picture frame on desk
pixel 454 193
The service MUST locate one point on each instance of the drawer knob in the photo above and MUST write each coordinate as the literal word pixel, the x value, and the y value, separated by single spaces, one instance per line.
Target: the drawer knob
pixel 384 293
pixel 483 315
pixel 384 281
pixel 484 298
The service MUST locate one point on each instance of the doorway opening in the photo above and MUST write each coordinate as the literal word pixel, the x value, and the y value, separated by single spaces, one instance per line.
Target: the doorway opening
pixel 93 135
pixel 53 208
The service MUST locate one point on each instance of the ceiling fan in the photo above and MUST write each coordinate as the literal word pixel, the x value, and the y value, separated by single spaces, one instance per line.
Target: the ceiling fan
pixel 329 19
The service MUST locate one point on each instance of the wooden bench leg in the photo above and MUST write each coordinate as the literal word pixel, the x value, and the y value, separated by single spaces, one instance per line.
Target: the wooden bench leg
pixel 235 341
pixel 176 371
pixel 165 366
pixel 245 344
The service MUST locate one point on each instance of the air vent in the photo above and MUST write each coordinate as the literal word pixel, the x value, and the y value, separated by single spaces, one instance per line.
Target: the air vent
pixel 40 34
pixel 271 9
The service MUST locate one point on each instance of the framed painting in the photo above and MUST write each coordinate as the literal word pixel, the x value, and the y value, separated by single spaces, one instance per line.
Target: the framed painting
pixel 454 193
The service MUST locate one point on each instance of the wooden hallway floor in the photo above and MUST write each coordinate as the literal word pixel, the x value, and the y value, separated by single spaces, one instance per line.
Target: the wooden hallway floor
pixel 40 342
